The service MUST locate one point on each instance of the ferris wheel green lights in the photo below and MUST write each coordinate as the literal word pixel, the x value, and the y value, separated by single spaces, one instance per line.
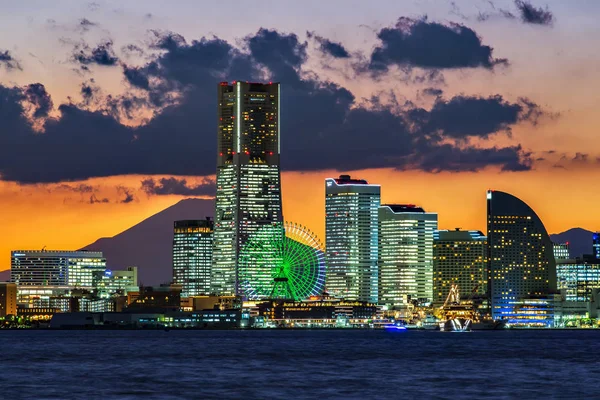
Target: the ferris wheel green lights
pixel 282 261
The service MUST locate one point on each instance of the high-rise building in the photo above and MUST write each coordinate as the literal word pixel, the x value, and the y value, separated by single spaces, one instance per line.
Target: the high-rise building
pixel 596 245
pixel 351 238
pixel 117 282
pixel 577 278
pixel 520 254
pixel 248 175
pixel 8 299
pixel 56 267
pixel 405 254
pixel 459 258
pixel 192 256
pixel 561 251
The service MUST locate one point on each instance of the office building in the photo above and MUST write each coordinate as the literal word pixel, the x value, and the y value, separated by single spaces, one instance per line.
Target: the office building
pixel 56 267
pixel 351 238
pixel 405 255
pixel 192 256
pixel 8 299
pixel 248 193
pixel 596 245
pixel 577 278
pixel 459 258
pixel 117 282
pixel 520 254
pixel 561 251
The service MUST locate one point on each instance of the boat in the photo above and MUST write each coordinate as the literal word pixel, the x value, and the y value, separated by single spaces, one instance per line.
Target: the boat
pixel 430 323
pixel 456 315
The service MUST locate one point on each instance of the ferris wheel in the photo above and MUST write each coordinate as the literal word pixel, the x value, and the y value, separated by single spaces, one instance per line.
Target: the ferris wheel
pixel 282 261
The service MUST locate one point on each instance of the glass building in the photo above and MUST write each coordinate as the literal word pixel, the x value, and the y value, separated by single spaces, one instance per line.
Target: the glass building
pixel 56 268
pixel 121 282
pixel 248 175
pixel 520 254
pixel 459 258
pixel 192 256
pixel 596 245
pixel 561 251
pixel 405 254
pixel 351 238
pixel 577 278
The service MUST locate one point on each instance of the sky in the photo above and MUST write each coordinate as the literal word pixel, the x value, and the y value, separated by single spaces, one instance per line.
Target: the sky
pixel 108 108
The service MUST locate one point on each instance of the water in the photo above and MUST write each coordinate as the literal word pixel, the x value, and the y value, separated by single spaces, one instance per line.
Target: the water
pixel 286 364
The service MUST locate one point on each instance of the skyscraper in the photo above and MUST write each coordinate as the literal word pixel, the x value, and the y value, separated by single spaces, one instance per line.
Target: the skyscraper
pixel 520 254
pixel 561 251
pixel 459 258
pixel 248 175
pixel 405 254
pixel 192 256
pixel 596 245
pixel 351 238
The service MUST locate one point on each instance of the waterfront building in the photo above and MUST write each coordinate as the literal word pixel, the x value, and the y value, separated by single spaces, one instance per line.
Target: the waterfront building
pixel 248 194
pixel 116 282
pixel 577 278
pixel 533 311
pixel 56 267
pixel 192 256
pixel 405 254
pixel 459 258
pixel 155 299
pixel 561 251
pixel 8 299
pixel 521 261
pixel 351 207
pixel 596 245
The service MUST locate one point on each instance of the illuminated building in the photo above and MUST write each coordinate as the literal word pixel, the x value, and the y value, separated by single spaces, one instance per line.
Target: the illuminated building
pixel 248 193
pixel 405 254
pixel 56 268
pixel 8 299
pixel 561 251
pixel 117 282
pixel 192 256
pixel 577 278
pixel 351 238
pixel 155 299
pixel 596 245
pixel 459 258
pixel 520 254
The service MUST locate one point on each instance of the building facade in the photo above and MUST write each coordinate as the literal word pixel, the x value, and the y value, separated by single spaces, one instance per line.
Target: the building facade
pixel 521 261
pixel 405 254
pixel 577 278
pixel 351 232
pixel 8 299
pixel 192 256
pixel 459 258
pixel 56 268
pixel 596 245
pixel 248 194
pixel 561 251
pixel 117 282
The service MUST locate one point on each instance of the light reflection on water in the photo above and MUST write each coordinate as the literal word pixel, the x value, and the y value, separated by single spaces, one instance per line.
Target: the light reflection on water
pixel 298 364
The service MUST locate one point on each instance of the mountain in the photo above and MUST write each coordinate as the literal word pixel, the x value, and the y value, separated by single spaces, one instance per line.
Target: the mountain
pixel 579 239
pixel 5 275
pixel 148 245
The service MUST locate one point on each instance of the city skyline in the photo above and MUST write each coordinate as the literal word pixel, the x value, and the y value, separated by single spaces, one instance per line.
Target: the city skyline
pixel 91 202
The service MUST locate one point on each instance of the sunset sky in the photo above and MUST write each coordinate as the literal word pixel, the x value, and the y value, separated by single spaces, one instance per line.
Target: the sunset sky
pixel 108 108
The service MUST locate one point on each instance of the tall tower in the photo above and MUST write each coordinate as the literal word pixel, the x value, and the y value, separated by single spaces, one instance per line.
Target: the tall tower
pixel 192 256
pixel 351 238
pixel 405 254
pixel 248 174
pixel 521 262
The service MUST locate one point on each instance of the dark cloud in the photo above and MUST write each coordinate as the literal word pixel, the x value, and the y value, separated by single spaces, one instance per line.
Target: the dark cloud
pixel 85 24
pixel 9 61
pixel 333 49
pixel 103 54
pixel 165 186
pixel 534 15
pixel 435 92
pixel 420 43
pixel 95 200
pixel 80 188
pixel 132 49
pixel 127 193
pixel 324 125
pixel 37 96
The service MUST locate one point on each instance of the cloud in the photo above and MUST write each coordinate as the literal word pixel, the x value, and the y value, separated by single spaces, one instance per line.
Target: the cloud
pixel 80 188
pixel 103 54
pixel 96 200
pixel 9 61
pixel 178 84
pixel 85 24
pixel 533 15
pixel 39 98
pixel 167 186
pixel 435 92
pixel 127 193
pixel 424 44
pixel 334 49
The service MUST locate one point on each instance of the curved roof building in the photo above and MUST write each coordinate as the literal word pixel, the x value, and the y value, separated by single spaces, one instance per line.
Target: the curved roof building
pixel 520 257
